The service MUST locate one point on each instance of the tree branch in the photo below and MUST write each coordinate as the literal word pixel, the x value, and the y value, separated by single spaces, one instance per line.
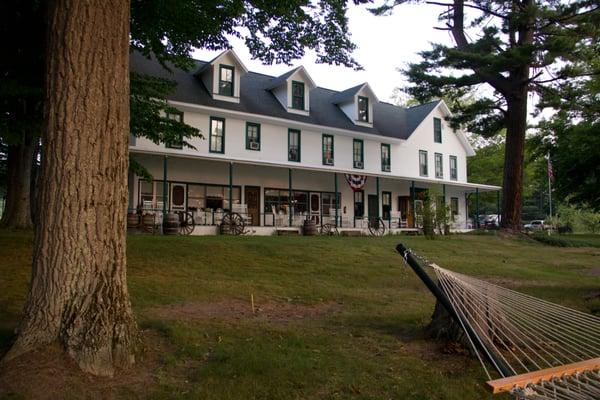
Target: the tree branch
pixel 496 80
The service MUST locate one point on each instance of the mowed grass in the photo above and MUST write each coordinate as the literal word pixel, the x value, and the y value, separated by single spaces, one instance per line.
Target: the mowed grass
pixel 372 347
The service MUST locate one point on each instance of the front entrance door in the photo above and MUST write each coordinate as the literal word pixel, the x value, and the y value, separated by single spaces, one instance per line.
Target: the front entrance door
pixel 405 208
pixel 373 206
pixel 178 196
pixel 315 207
pixel 252 198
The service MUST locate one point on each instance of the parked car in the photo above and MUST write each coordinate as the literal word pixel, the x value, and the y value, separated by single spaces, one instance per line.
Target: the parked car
pixel 492 221
pixel 535 225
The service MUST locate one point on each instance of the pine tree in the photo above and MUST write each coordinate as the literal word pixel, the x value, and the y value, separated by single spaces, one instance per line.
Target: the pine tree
pixel 513 48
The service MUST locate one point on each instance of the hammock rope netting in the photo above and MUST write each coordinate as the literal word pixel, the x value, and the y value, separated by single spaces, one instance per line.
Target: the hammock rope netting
pixel 540 349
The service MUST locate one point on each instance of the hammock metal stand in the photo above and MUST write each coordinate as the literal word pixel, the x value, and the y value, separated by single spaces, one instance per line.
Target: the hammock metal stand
pixel 541 350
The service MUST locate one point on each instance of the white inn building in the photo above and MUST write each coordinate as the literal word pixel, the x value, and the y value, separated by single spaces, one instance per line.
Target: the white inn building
pixel 279 149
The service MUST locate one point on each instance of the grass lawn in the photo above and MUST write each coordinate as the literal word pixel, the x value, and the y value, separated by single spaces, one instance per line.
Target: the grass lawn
pixel 336 318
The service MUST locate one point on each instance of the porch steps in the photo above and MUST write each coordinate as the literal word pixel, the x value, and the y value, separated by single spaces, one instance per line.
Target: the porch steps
pixel 288 231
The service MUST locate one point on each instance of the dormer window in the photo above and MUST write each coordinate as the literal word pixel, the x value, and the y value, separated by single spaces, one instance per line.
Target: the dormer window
pixel 357 103
pixel 292 90
pixel 363 109
pixel 298 95
pixel 226 79
pixel 222 76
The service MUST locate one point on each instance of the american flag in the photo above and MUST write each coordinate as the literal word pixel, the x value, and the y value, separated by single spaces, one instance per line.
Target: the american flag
pixel 550 169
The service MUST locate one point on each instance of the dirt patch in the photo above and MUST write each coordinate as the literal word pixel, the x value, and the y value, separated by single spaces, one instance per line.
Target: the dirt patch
pixel 449 358
pixel 595 271
pixel 51 374
pixel 236 310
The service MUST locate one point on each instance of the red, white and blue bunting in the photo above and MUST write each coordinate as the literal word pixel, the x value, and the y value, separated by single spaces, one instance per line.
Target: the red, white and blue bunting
pixel 356 182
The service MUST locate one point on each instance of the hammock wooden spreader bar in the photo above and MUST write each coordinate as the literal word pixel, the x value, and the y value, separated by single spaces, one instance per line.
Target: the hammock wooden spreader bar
pixel 548 374
pixel 541 350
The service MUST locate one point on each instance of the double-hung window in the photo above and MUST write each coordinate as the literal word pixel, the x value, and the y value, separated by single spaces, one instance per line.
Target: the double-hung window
pixel 363 109
pixel 252 136
pixel 358 153
pixel 423 163
pixel 297 95
pixel 453 168
pixel 217 135
pixel 386 205
pixel 437 130
pixel 226 76
pixel 178 142
pixel 359 204
pixel 454 207
pixel 385 157
pixel 439 166
pixel 327 149
pixel 293 145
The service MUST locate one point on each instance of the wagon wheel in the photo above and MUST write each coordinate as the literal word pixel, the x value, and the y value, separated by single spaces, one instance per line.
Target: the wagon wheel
pixel 329 230
pixel 376 227
pixel 234 222
pixel 186 223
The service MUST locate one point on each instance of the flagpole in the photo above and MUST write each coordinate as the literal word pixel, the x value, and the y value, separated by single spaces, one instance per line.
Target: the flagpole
pixel 549 185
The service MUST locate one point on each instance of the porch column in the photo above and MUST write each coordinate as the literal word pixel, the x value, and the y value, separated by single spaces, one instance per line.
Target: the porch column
pixel 498 204
pixel 412 200
pixel 378 201
pixel 230 187
pixel 466 210
pixel 290 195
pixel 477 207
pixel 165 192
pixel 337 202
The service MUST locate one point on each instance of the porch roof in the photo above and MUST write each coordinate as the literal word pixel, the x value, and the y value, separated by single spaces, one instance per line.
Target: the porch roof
pixel 295 166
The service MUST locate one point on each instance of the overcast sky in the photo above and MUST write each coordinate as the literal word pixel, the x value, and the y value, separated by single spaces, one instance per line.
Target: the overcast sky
pixel 384 44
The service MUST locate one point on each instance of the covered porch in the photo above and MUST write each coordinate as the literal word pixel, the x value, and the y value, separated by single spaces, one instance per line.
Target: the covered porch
pixel 274 198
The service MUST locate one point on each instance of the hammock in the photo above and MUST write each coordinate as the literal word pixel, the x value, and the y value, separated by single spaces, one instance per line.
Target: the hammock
pixel 540 349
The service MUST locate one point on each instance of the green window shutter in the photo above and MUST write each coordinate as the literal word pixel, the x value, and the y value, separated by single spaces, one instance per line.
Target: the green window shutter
pixel 439 165
pixel 298 95
pixel 294 145
pixel 327 149
pixel 226 80
pixel 423 163
pixel 363 109
pixel 358 154
pixel 437 130
pixel 178 143
pixel 385 157
pixel 252 136
pixel 453 168
pixel 216 138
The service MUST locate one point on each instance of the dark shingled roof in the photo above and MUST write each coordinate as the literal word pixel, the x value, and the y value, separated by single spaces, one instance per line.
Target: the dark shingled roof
pixel 255 98
pixel 276 82
pixel 341 97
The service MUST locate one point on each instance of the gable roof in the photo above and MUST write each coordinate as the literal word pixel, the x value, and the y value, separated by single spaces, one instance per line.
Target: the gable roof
pixel 203 68
pixel 255 98
pixel 281 79
pixel 348 94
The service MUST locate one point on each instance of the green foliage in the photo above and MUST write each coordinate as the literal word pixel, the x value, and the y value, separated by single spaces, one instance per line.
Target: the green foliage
pixel 551 38
pixel 484 168
pixel 273 31
pixel 576 159
pixel 148 106
pixel 578 218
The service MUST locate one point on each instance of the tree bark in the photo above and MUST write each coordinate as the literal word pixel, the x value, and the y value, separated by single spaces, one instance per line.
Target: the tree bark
pixel 78 294
pixel 17 210
pixel 512 186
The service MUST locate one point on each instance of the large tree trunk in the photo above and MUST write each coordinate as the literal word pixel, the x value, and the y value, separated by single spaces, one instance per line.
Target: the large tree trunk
pixel 17 210
pixel 512 186
pixel 78 294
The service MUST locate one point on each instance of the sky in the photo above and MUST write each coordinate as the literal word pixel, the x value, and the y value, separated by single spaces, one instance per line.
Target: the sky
pixel 385 43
